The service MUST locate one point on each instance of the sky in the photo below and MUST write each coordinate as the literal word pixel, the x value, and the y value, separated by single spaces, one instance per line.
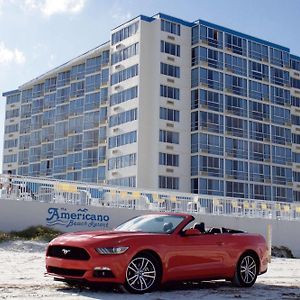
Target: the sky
pixel 38 35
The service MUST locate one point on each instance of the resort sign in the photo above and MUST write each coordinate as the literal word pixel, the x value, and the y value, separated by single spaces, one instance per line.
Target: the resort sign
pixel 81 217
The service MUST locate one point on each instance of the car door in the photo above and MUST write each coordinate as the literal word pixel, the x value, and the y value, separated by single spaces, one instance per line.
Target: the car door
pixel 197 257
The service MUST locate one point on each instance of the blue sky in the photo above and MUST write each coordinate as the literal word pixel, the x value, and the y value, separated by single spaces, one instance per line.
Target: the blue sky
pixel 37 35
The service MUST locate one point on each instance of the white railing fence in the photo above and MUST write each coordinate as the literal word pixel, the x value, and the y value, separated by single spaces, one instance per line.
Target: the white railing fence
pixel 58 191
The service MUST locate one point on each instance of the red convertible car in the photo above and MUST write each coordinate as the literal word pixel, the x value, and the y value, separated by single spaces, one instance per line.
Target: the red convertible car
pixel 150 250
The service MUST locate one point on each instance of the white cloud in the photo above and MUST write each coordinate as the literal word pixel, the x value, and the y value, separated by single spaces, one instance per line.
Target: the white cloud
pixel 52 7
pixel 119 14
pixel 8 56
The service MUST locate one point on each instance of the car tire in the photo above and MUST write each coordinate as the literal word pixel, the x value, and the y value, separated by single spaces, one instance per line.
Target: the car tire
pixel 246 271
pixel 143 274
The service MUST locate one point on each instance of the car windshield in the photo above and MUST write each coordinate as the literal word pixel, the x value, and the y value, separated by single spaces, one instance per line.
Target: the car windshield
pixel 152 224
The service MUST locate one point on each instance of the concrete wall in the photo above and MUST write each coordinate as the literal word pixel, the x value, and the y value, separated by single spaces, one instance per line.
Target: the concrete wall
pixel 18 215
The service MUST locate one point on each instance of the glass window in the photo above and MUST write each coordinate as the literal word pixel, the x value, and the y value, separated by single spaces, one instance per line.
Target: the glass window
pixel 125 74
pixel 124 33
pixel 236 85
pixel 170 27
pixel 168 137
pixel 260 173
pixel 236 169
pixel 213 58
pixel 236 148
pixel 170 48
pixel 259 111
pixel 258 51
pixel 236 44
pixel 211 36
pixel 211 122
pixel 236 64
pixel 236 127
pixel 211 79
pixel 259 152
pixel 211 186
pixel 258 71
pixel 236 189
pixel 237 106
pixel 167 182
pixel 169 70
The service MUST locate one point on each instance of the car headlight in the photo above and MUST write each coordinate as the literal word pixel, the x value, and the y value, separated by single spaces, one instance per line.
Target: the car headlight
pixel 112 250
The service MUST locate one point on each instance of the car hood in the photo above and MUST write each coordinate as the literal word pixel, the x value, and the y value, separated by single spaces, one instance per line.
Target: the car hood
pixel 92 237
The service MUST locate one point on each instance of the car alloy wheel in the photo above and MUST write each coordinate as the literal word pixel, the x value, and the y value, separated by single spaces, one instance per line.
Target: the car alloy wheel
pixel 247 271
pixel 142 274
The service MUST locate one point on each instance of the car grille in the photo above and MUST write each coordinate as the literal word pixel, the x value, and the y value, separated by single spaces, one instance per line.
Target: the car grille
pixel 65 272
pixel 67 252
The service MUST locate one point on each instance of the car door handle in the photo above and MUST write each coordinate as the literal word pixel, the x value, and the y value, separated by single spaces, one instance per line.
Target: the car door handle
pixel 220 243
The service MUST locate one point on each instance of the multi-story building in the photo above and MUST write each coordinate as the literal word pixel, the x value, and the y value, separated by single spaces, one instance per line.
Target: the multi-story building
pixel 165 104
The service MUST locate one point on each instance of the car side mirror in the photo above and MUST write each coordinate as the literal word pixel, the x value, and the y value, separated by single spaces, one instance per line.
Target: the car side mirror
pixel 191 232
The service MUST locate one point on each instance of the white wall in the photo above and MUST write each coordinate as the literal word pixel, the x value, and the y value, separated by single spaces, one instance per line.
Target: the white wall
pixel 18 215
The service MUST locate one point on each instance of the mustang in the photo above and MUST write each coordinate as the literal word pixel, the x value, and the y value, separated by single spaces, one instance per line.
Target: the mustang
pixel 150 250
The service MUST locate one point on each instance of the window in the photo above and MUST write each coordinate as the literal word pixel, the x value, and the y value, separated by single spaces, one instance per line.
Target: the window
pixel 13 113
pixel 50 84
pixel 47 150
pixel 34 154
pixel 90 138
pixel 89 175
pixel 38 90
pixel 169 70
pixel 236 64
pixel 236 85
pixel 11 143
pixel 93 65
pixel 235 43
pixel 281 155
pixel 210 78
pixel 62 95
pixel 36 122
pixel 170 27
pixel 77 72
pixel 63 78
pixel 92 101
pixel 212 144
pixel 26 95
pixel 24 141
pixel 211 187
pixel 236 189
pixel 75 142
pixel 60 147
pixel 259 152
pixel 60 164
pixel 236 148
pixel 124 53
pixel 211 36
pixel 167 159
pixel 259 111
pixel 11 158
pixel 258 90
pixel 237 106
pixel 37 106
pixel 124 33
pixel 281 135
pixel 211 100
pixel 166 182
pixel 61 129
pixel 11 99
pixel 169 92
pixel 280 96
pixel 260 192
pixel 295 120
pixel 23 157
pixel 258 71
pixel 170 48
pixel 280 77
pixel 76 107
pixel 295 63
pixel 122 139
pixel 295 83
pixel 260 173
pixel 92 83
pixel 90 158
pixel 124 74
pixel 236 169
pixel 12 128
pixel 282 194
pixel 259 131
pixel 211 122
pixel 122 161
pixel 125 181
pixel 279 57
pixel 168 136
pixel 280 115
pixel 123 117
pixel 258 51
pixel 208 166
pixel 236 127
pixel 124 96
pixel 91 120
pixel 213 58
pixel 61 112
pixel 169 114
pixel 25 126
pixel 281 175
pixel 77 89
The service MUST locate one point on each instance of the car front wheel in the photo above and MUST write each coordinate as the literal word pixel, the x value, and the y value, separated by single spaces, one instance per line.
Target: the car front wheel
pixel 142 274
pixel 246 271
